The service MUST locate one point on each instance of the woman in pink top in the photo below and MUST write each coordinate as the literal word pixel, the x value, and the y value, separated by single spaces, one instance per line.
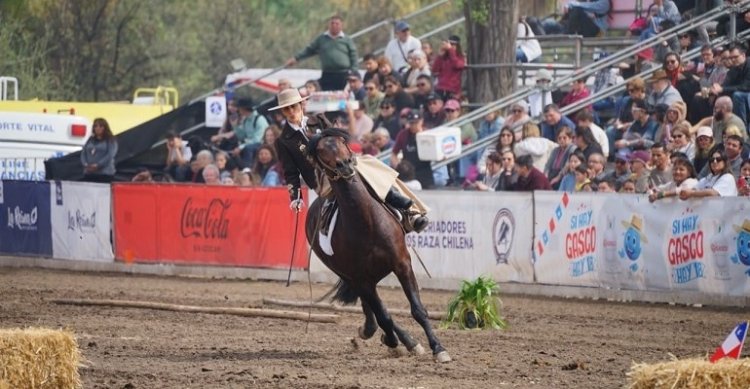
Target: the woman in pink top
pixel 447 67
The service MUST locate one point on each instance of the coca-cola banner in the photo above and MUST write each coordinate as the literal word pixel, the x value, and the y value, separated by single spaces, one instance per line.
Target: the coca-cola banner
pixel 25 218
pixel 81 221
pixel 212 225
pixel 623 241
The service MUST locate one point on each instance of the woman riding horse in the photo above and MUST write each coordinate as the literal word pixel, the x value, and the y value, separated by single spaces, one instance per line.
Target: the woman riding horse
pixel 380 178
pixel 363 245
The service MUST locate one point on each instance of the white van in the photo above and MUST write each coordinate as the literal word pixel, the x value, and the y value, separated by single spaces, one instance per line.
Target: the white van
pixel 28 139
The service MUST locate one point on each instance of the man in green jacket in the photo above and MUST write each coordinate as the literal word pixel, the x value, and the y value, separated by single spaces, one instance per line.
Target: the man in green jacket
pixel 338 55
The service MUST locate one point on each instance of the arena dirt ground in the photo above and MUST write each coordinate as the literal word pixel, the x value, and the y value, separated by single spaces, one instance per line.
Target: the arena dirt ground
pixel 551 343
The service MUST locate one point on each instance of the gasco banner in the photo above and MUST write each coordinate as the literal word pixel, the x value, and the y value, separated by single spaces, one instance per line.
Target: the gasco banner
pixel 81 221
pixel 477 234
pixel 216 225
pixel 623 241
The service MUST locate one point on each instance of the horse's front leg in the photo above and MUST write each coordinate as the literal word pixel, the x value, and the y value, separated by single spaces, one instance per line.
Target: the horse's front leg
pixel 408 282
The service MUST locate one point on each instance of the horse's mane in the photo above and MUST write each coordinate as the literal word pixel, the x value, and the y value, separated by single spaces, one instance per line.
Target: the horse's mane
pixel 312 145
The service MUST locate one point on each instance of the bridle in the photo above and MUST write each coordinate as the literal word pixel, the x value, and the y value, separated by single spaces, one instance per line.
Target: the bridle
pixel 332 172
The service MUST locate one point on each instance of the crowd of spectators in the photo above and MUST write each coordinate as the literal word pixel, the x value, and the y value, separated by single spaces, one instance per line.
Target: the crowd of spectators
pixel 683 133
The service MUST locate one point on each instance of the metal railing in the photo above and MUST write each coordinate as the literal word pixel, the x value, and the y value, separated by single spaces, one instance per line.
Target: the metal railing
pixel 727 9
pixel 390 21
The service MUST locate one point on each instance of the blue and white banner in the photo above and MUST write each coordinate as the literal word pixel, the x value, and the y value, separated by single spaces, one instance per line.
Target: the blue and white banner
pixel 476 233
pixel 623 241
pixel 81 221
pixel 25 218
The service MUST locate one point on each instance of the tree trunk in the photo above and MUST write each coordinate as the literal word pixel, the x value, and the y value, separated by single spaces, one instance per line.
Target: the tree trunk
pixel 491 42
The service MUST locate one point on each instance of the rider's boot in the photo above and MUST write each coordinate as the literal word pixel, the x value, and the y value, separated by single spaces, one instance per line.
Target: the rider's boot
pixel 411 220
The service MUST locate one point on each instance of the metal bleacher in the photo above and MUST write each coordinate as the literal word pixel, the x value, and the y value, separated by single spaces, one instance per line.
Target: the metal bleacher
pixel 590 69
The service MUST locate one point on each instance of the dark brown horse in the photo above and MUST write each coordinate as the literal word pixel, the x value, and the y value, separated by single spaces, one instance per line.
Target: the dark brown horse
pixel 367 244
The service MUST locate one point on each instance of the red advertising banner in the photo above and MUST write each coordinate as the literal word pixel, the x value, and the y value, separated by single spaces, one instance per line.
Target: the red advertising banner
pixel 207 225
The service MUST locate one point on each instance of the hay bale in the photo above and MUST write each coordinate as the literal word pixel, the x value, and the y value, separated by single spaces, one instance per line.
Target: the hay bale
pixel 38 358
pixel 691 373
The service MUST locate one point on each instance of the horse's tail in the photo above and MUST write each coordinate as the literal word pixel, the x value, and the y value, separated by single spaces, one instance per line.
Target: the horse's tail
pixel 342 293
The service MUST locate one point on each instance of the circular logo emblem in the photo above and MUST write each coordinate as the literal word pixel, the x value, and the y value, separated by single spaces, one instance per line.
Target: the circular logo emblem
pixel 502 234
pixel 450 143
pixel 215 108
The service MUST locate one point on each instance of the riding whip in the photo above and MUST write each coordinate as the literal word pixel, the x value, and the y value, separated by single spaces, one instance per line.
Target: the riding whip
pixel 294 241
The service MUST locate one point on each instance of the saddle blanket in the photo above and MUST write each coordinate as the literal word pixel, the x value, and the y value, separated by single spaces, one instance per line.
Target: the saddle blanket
pixel 325 234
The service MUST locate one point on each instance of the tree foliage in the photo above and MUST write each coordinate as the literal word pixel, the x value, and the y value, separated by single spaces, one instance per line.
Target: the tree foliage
pixel 100 50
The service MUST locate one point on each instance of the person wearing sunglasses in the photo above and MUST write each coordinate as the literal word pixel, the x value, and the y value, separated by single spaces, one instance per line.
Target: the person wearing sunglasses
pixel 719 183
pixel 387 118
pixel 621 172
pixel 373 98
pixel 418 66
pixel 682 141
pixel 518 115
pixel 424 90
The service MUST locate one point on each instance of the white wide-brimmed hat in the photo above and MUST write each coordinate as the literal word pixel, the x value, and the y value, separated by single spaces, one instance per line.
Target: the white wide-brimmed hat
pixel 288 97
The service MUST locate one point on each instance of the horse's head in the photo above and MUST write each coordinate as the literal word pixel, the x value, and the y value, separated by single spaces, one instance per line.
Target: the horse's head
pixel 330 152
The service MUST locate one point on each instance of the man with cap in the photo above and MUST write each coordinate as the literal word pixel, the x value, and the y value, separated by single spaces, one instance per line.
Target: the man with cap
pixel 248 131
pixel 356 86
pixel 541 97
pixel 406 143
pixel 434 115
pixel 337 52
pixel 663 91
pixel 621 172
pixel 704 145
pixel 291 147
pixel 447 67
pixel 399 48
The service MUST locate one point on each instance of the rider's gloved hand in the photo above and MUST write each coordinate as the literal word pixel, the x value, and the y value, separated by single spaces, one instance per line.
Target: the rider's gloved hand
pixel 296 205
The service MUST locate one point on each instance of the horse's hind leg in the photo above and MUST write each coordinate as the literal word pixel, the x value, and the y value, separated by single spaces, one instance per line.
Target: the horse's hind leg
pixel 368 330
pixel 370 298
pixel 408 341
pixel 409 284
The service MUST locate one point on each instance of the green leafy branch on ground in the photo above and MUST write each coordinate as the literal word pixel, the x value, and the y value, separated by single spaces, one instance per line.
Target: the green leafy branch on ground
pixel 476 305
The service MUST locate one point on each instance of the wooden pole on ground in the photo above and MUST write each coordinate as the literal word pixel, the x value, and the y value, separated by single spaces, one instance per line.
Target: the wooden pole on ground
pixel 338 308
pixel 251 312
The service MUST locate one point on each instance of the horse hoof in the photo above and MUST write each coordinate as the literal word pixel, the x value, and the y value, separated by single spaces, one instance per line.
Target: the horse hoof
pixel 362 334
pixel 417 350
pixel 395 352
pixel 442 357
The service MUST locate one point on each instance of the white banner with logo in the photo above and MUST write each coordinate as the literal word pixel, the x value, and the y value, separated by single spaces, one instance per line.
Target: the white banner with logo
pixel 216 111
pixel 81 222
pixel 476 233
pixel 623 241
